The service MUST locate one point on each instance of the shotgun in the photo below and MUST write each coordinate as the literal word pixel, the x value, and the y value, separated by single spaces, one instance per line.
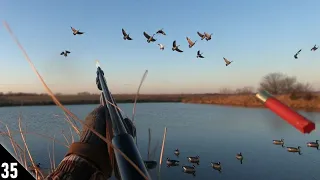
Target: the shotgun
pixel 124 133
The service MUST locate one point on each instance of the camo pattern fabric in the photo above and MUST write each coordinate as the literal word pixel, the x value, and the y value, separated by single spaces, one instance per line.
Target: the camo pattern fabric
pixel 74 167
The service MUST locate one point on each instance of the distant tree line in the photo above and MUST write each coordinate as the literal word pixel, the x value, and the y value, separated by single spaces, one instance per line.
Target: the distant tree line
pixel 277 84
pixel 40 94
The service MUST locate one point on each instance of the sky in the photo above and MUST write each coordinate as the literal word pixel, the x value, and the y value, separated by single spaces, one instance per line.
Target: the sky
pixel 258 36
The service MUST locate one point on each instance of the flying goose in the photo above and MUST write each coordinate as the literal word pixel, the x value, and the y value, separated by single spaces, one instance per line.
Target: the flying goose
pixel 177 152
pixel 216 166
pixel 294 149
pixel 239 157
pixel 201 35
pixel 279 142
pixel 171 162
pixel 75 32
pixel 161 46
pixel 195 159
pixel 227 61
pixel 199 55
pixel 207 36
pixel 125 35
pixel 149 38
pixel 189 169
pixel 175 47
pixel 296 55
pixel 191 43
pixel 313 144
pixel 314 48
pixel 161 32
pixel 65 53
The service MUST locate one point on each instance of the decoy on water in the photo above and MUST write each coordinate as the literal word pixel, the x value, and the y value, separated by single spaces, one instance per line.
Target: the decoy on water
pixel 239 157
pixel 202 36
pixel 314 48
pixel 172 162
pixel 177 152
pixel 65 53
pixel 150 164
pixel 191 43
pixel 279 142
pixel 216 166
pixel 75 32
pixel 161 46
pixel 195 159
pixel 207 36
pixel 149 38
pixel 175 47
pixel 294 149
pixel 161 32
pixel 313 144
pixel 227 61
pixel 296 55
pixel 199 55
pixel 189 169
pixel 125 35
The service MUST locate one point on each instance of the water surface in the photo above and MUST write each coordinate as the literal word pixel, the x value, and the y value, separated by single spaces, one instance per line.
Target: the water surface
pixel 215 133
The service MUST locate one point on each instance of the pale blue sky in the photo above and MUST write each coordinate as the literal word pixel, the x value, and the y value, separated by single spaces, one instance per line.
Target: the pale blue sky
pixel 259 36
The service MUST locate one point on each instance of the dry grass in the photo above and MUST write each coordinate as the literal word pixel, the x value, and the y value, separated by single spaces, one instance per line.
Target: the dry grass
pixel 18 100
pixel 251 101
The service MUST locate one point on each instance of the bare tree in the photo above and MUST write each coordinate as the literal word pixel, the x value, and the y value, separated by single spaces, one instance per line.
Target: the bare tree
pixel 226 91
pixel 288 84
pixel 245 90
pixel 279 83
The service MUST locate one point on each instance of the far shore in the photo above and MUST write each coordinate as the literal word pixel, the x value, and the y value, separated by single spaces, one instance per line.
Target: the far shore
pixel 237 100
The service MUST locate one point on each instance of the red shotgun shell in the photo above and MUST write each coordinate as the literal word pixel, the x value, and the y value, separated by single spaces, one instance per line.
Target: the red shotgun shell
pixel 292 117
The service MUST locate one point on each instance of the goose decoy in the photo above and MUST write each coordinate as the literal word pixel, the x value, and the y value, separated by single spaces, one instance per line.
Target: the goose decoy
pixel 161 32
pixel 65 53
pixel 125 35
pixel 150 164
pixel 175 47
pixel 171 162
pixel 207 36
pixel 202 36
pixel 161 46
pixel 75 32
pixel 216 166
pixel 239 157
pixel 191 43
pixel 279 142
pixel 314 48
pixel 189 169
pixel 296 55
pixel 149 38
pixel 294 149
pixel 227 61
pixel 195 159
pixel 313 144
pixel 199 55
pixel 177 152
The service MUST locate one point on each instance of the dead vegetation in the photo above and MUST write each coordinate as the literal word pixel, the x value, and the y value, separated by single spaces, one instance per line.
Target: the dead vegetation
pixel 287 89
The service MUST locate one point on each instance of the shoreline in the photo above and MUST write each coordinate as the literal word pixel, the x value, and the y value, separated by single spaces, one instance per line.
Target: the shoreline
pixel 232 100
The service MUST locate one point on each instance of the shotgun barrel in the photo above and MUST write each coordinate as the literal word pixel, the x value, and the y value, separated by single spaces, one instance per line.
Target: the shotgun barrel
pixel 123 135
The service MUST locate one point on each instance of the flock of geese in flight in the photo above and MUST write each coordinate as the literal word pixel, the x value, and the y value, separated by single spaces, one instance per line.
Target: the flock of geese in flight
pixel 203 36
pixel 175 47
pixel 218 166
pixel 314 48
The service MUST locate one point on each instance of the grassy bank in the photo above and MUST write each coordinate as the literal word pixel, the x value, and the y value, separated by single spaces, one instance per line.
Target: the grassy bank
pixel 312 104
pixel 302 103
pixel 35 99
